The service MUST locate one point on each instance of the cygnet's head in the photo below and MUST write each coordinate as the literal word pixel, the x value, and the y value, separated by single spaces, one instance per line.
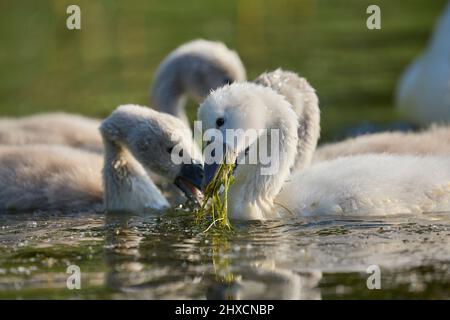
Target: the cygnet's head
pixel 160 142
pixel 197 67
pixel 250 111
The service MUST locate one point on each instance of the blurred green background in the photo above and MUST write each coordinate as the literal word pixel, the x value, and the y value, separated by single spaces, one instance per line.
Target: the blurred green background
pixel 45 67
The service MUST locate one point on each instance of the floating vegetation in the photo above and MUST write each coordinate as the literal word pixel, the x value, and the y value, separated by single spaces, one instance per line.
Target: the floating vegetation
pixel 214 204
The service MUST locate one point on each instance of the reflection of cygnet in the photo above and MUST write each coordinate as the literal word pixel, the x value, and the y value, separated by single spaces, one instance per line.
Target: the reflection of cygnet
pixel 122 252
pixel 277 284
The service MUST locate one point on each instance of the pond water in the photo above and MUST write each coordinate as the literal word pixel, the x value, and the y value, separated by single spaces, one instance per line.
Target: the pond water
pixel 169 257
pixel 46 67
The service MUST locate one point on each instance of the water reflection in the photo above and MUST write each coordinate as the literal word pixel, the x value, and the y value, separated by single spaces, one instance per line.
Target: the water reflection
pixel 165 264
pixel 169 257
pixel 121 249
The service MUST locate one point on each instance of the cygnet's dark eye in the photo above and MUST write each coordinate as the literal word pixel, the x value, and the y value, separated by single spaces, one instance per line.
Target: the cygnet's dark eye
pixel 227 80
pixel 180 153
pixel 170 149
pixel 220 122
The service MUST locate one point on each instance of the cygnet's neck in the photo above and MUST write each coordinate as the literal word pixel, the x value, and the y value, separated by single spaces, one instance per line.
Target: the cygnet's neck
pixel 251 196
pixel 127 186
pixel 168 95
pixel 308 129
pixel 302 96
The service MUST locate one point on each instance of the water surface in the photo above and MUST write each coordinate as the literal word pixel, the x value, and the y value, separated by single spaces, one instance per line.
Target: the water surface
pixel 169 257
pixel 46 67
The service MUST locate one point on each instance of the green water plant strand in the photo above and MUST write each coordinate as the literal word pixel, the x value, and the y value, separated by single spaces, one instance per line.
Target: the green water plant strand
pixel 218 209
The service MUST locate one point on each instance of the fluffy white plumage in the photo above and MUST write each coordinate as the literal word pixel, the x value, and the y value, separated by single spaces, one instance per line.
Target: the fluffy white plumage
pixel 46 177
pixel 370 185
pixel 302 96
pixel 433 141
pixel 359 185
pixel 49 177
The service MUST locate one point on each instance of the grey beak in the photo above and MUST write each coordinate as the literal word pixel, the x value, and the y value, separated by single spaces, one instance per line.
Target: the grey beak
pixel 192 173
pixel 189 179
pixel 210 172
pixel 211 169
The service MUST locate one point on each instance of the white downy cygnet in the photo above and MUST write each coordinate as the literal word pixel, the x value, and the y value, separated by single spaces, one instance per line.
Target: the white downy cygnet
pixel 362 185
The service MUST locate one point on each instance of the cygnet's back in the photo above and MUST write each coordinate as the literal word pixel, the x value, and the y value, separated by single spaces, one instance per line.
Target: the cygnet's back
pixel 434 141
pixel 50 177
pixel 52 128
pixel 372 184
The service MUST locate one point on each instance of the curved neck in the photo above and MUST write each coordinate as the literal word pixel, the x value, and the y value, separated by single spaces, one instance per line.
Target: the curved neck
pixel 308 130
pixel 255 188
pixel 304 101
pixel 127 186
pixel 168 95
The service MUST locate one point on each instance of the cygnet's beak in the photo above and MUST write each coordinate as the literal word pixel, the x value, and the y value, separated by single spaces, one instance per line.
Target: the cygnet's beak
pixel 211 164
pixel 210 172
pixel 189 180
pixel 211 169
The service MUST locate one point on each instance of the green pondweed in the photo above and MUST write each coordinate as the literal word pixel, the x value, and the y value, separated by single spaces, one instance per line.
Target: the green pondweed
pixel 218 207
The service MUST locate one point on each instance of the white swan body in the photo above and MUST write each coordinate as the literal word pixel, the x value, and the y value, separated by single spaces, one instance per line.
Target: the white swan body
pixel 193 69
pixel 423 93
pixel 347 186
pixel 433 141
pixel 136 138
